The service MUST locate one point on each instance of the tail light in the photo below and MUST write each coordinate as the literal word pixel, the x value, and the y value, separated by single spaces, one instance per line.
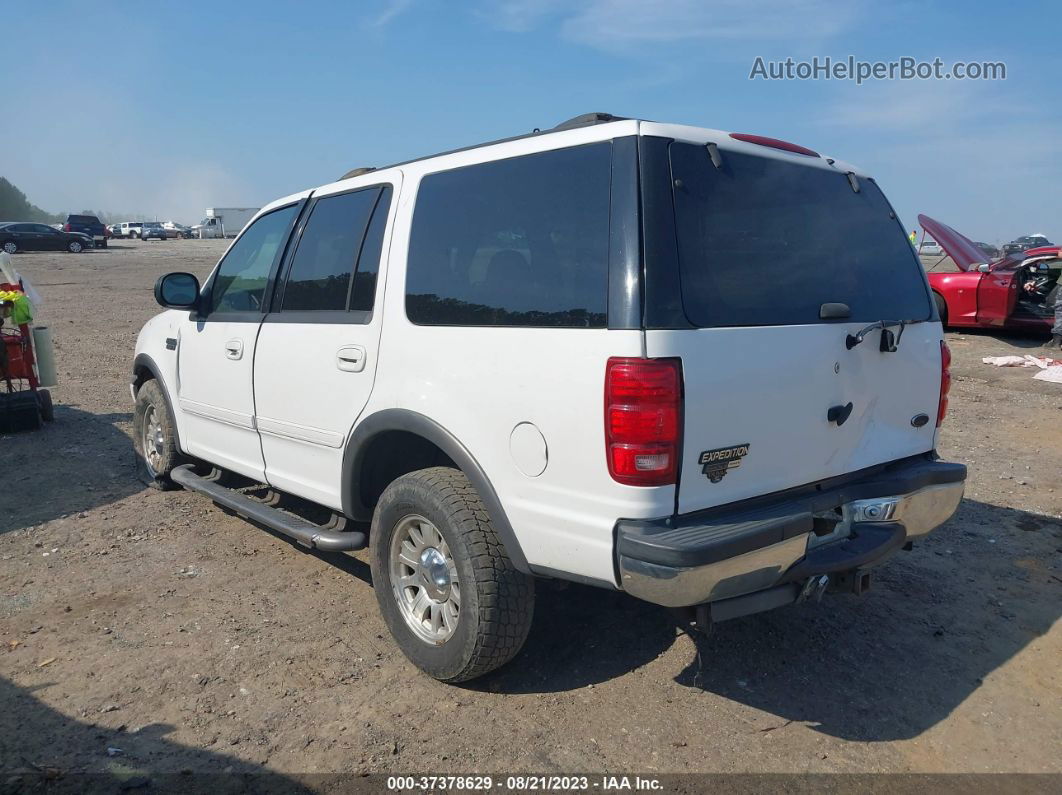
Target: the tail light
pixel 774 143
pixel 66 228
pixel 643 420
pixel 945 381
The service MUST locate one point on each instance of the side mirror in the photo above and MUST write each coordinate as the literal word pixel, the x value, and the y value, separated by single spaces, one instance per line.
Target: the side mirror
pixel 177 291
pixel 984 267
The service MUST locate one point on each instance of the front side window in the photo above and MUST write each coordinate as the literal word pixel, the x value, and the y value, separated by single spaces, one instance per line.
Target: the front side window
pixel 764 242
pixel 516 242
pixel 331 248
pixel 240 282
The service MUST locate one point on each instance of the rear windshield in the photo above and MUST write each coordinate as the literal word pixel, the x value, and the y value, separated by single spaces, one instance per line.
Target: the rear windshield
pixel 766 242
pixel 83 219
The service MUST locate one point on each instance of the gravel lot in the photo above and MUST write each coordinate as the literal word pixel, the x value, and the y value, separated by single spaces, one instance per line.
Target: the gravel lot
pixel 192 641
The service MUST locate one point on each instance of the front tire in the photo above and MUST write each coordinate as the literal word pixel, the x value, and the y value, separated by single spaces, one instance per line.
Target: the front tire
pixel 153 438
pixel 74 247
pixel 9 246
pixel 942 309
pixel 454 602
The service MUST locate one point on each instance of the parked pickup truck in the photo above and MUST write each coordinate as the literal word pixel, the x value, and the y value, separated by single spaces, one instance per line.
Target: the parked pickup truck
pixel 647 357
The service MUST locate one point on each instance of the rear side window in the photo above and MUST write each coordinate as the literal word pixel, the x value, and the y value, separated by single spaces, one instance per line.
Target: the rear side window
pixel 335 244
pixel 766 242
pixel 516 242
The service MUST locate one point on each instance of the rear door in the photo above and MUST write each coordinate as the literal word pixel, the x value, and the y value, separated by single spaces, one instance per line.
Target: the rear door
pixel 317 351
pixel 774 397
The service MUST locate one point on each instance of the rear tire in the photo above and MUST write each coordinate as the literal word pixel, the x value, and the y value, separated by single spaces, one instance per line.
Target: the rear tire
pixel 460 608
pixel 10 246
pixel 942 309
pixel 153 438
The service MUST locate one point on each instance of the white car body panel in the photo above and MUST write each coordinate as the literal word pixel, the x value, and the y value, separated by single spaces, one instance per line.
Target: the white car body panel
pixel 481 383
pixel 743 387
pixel 305 419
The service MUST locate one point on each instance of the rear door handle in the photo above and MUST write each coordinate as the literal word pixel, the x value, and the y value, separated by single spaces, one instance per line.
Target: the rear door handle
pixel 351 358
pixel 234 349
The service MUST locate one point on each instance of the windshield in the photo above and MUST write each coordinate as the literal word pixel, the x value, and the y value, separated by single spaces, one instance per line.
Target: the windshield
pixel 764 241
pixel 153 225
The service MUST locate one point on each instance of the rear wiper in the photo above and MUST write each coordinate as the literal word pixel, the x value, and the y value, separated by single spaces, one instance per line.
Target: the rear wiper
pixel 889 340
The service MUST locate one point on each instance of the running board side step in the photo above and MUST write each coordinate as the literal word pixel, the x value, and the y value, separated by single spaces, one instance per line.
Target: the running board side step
pixel 306 533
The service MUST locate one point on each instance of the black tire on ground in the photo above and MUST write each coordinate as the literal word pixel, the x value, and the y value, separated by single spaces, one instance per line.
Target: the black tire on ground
pixel 74 247
pixel 496 600
pixel 10 246
pixel 44 400
pixel 103 244
pixel 153 466
pixel 942 309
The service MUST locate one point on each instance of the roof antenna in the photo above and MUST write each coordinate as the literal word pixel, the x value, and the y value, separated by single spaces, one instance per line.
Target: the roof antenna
pixel 713 152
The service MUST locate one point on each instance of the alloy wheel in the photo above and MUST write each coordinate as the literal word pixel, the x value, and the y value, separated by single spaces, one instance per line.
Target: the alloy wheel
pixel 424 579
pixel 152 440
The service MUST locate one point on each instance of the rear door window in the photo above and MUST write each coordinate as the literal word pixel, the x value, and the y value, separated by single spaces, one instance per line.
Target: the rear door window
pixel 764 241
pixel 342 237
pixel 516 242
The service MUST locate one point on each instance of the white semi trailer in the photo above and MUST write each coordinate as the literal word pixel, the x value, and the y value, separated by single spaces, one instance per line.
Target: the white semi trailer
pixel 223 222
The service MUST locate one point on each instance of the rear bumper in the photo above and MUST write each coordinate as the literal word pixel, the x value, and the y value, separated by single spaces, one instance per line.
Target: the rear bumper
pixel 723 554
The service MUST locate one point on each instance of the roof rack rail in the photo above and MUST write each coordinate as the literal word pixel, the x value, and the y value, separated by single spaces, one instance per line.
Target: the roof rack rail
pixel 587 119
pixel 357 172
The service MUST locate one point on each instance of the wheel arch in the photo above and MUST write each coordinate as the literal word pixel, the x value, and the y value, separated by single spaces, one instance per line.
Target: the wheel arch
pixel 363 451
pixel 144 370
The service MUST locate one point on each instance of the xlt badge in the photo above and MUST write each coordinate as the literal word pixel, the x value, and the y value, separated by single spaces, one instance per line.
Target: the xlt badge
pixel 716 463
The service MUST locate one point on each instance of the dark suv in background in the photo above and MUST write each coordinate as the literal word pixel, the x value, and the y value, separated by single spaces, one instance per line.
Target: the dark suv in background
pixel 88 225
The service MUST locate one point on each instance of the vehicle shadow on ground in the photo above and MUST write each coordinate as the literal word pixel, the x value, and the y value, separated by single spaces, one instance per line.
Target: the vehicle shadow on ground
pixel 43 749
pixel 884 666
pixel 1017 338
pixel 77 463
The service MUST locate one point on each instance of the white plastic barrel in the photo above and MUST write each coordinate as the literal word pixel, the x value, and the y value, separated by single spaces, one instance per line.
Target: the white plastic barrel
pixel 44 350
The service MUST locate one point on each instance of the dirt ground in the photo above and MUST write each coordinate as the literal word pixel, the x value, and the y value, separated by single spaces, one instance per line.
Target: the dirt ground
pixel 144 632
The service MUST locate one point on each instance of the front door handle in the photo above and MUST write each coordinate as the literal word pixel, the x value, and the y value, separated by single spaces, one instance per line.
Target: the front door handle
pixel 234 349
pixel 351 358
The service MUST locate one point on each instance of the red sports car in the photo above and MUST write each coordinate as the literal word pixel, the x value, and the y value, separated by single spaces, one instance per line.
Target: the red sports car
pixel 1014 292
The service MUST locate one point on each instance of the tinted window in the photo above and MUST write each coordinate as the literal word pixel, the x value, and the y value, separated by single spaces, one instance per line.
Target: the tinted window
pixel 518 242
pixel 323 265
pixel 767 242
pixel 364 292
pixel 240 282
pixel 82 219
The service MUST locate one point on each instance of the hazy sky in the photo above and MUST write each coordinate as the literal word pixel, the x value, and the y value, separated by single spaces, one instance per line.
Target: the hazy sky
pixel 135 107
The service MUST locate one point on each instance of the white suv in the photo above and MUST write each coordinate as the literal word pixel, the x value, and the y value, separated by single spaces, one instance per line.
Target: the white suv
pixel 702 368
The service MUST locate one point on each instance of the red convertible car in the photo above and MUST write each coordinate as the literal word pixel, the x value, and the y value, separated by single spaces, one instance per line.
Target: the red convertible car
pixel 1013 292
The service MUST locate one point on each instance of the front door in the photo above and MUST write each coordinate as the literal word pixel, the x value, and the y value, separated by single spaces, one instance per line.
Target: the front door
pixel 997 295
pixel 215 353
pixel 317 349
